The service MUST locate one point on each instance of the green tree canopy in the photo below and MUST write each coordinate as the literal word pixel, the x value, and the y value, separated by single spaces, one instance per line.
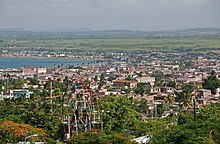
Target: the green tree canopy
pixel 171 84
pixel 34 81
pixel 205 129
pixel 35 112
pixel 143 105
pixel 119 113
pixel 141 89
pixel 211 83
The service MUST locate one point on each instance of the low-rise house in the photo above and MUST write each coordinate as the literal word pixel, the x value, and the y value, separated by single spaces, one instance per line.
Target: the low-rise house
pixel 29 70
pixel 204 93
pixel 149 98
pixel 167 90
pixel 41 70
pixel 145 79
pixel 21 92
pixel 154 90
pixel 16 93
pixel 125 83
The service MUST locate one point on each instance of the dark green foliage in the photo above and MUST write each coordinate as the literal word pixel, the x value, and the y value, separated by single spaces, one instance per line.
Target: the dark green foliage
pixel 34 81
pixel 171 84
pixel 56 84
pixel 34 112
pixel 13 83
pixel 141 89
pixel 182 119
pixel 158 77
pixel 169 99
pixel 160 110
pixel 118 113
pixel 184 97
pixel 143 105
pixel 1 84
pixel 102 81
pixel 187 88
pixel 205 129
pixel 212 82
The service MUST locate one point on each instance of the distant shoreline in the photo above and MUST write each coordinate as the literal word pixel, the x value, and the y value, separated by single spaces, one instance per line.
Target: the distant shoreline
pixel 52 58
pixel 18 62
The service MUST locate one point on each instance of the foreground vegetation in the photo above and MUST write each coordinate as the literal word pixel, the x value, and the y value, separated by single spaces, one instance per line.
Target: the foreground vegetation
pixel 120 118
pixel 205 128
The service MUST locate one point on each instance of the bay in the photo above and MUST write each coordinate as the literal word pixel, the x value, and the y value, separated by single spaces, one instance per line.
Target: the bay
pixel 41 62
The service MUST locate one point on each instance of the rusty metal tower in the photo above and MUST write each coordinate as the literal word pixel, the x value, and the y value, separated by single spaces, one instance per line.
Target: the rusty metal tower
pixel 81 110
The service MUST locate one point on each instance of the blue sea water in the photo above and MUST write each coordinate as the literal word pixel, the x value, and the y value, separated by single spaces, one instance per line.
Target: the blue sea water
pixel 41 62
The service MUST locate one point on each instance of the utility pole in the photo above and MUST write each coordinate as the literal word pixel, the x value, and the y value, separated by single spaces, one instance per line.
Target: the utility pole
pixel 155 107
pixel 6 77
pixel 194 107
pixel 63 97
pixel 51 97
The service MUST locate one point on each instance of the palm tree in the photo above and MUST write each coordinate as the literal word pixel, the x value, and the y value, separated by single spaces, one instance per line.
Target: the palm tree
pixel 169 99
pixel 185 101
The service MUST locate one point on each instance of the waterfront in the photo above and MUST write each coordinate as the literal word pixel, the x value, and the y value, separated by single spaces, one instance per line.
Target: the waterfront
pixel 41 62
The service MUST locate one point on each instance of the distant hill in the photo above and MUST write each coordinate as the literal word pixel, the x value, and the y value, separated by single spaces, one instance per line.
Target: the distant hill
pixel 66 33
pixel 66 30
pixel 191 32
pixel 11 29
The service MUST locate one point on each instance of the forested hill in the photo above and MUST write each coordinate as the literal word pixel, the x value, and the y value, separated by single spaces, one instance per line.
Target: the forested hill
pixel 122 34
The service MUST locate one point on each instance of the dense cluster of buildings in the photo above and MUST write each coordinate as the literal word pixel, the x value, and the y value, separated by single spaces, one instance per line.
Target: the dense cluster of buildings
pixel 49 54
pixel 153 72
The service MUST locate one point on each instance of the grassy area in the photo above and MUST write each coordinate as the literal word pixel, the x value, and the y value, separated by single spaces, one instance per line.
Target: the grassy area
pixel 168 44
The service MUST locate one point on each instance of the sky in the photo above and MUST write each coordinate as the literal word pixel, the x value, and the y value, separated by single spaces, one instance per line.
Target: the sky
pixel 145 15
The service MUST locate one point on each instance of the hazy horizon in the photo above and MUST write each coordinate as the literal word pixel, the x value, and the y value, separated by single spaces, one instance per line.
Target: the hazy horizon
pixel 66 29
pixel 143 15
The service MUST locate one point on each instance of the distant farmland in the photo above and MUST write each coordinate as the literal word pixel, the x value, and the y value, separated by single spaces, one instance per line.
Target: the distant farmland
pixel 191 40
pixel 156 44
